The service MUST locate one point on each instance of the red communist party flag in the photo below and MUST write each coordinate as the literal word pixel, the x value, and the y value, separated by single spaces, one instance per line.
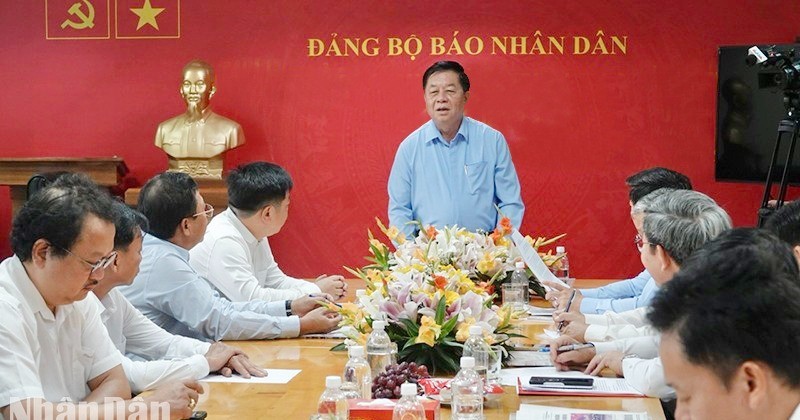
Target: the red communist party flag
pixel 148 19
pixel 77 19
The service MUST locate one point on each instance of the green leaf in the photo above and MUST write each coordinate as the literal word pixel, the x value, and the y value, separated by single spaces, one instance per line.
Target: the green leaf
pixel 409 327
pixel 449 325
pixel 538 289
pixel 339 347
pixel 440 310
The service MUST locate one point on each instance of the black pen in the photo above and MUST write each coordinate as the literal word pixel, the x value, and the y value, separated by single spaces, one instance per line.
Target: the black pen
pixel 569 303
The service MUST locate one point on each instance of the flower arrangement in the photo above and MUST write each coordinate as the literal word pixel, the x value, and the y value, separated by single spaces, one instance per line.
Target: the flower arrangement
pixel 432 288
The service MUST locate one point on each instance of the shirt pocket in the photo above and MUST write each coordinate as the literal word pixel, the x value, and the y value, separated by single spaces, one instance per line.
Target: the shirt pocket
pixel 216 141
pixel 477 177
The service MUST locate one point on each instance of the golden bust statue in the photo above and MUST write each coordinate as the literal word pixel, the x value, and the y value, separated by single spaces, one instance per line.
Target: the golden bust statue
pixel 197 140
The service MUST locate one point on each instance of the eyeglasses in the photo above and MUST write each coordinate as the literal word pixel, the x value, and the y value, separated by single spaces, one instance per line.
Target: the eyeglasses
pixel 101 264
pixel 209 212
pixel 640 243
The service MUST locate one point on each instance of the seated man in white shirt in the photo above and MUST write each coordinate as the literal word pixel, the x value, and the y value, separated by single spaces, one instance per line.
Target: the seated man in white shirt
pixel 54 350
pixel 730 325
pixel 158 356
pixel 633 293
pixel 169 292
pixel 676 223
pixel 612 326
pixel 235 255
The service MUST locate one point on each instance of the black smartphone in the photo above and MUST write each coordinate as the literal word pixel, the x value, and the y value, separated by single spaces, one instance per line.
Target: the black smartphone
pixel 550 382
pixel 198 415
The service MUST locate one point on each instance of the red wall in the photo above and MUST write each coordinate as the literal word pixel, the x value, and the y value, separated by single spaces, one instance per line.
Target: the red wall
pixel 577 125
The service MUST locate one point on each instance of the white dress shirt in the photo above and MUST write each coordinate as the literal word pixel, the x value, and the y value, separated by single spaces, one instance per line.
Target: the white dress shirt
pixel 46 355
pixel 644 370
pixel 796 414
pixel 615 326
pixel 241 266
pixel 137 337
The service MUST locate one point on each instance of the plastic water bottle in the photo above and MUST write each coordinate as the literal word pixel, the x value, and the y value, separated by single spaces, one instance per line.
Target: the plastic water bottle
pixel 467 392
pixel 409 407
pixel 332 403
pixel 476 348
pixel 517 293
pixel 357 376
pixel 563 272
pixel 379 349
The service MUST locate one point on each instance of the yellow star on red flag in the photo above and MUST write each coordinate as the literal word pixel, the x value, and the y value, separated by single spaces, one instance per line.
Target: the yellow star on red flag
pixel 147 14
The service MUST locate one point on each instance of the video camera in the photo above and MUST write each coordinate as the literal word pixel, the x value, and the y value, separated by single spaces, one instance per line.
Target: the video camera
pixel 781 68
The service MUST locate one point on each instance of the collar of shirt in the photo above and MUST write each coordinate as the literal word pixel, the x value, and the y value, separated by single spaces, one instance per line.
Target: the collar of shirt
pixel 230 216
pixel 432 133
pixel 106 305
pixel 30 293
pixel 796 414
pixel 166 247
pixel 204 116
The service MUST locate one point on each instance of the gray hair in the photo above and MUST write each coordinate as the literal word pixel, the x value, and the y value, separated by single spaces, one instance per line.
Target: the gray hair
pixel 681 221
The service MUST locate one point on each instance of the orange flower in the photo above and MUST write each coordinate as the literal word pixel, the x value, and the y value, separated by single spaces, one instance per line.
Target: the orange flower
pixel 489 288
pixel 440 282
pixel 430 232
pixel 496 236
pixel 505 226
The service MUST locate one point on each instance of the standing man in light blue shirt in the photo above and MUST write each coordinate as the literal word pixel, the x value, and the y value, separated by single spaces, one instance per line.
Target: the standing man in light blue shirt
pixel 453 170
pixel 633 293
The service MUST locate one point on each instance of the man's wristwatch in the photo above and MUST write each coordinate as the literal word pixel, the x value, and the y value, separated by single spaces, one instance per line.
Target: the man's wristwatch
pixel 288 308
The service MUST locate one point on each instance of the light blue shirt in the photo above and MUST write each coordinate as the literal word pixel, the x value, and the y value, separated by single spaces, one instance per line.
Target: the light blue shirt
pixel 444 184
pixel 620 296
pixel 169 292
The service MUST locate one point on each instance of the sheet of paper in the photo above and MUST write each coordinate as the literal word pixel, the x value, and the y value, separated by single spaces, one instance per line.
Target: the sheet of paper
pixel 333 334
pixel 529 358
pixel 537 311
pixel 274 376
pixel 602 386
pixel 533 260
pixel 543 412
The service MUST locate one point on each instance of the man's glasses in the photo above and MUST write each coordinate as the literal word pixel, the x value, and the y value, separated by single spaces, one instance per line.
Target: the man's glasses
pixel 209 212
pixel 101 264
pixel 640 243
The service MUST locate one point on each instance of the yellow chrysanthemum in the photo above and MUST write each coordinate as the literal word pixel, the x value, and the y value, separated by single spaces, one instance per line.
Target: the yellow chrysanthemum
pixel 451 296
pixel 486 264
pixel 462 333
pixel 429 331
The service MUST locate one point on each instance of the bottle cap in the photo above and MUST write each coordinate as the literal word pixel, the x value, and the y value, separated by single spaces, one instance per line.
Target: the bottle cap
pixel 333 382
pixel 467 362
pixel 378 325
pixel 561 250
pixel 355 351
pixel 520 264
pixel 408 389
pixel 475 330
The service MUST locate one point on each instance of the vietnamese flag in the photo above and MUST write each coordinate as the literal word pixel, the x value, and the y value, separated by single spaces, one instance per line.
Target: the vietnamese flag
pixel 77 19
pixel 148 18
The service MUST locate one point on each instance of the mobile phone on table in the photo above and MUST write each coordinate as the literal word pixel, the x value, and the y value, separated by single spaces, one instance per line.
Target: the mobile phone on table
pixel 198 415
pixel 562 383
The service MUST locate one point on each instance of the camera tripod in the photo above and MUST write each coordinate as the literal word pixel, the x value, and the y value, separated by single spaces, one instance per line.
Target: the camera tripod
pixel 790 126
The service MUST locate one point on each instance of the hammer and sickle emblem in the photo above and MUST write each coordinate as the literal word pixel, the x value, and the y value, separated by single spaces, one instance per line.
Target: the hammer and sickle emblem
pixel 86 21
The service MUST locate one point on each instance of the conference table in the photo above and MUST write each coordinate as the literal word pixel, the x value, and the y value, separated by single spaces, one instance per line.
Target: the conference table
pixel 298 398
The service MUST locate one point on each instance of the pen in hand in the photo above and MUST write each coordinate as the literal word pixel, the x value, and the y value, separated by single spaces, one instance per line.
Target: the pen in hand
pixel 569 303
pixel 325 298
pixel 572 347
